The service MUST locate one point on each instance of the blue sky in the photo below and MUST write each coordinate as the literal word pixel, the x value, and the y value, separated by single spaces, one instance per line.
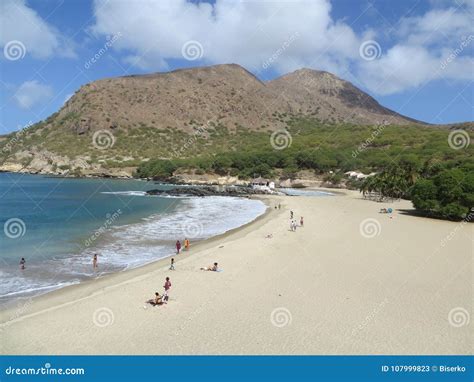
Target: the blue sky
pixel 415 57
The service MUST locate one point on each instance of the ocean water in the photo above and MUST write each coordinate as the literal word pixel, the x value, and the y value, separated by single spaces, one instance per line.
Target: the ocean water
pixel 304 192
pixel 57 224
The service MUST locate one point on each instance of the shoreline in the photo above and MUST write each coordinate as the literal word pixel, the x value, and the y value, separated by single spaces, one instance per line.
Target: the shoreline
pixel 19 287
pixel 351 281
pixel 59 297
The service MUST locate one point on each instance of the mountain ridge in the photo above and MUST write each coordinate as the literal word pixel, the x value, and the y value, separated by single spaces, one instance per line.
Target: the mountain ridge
pixel 154 115
pixel 226 93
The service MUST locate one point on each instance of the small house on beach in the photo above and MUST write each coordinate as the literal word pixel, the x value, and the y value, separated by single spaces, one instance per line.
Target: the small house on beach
pixel 262 183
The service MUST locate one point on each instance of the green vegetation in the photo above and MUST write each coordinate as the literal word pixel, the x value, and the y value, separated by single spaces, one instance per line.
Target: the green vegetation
pixel 444 190
pixel 314 146
pixel 410 161
pixel 449 194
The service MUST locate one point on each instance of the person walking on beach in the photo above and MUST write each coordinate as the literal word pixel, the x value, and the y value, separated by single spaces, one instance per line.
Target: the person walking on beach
pixel 94 261
pixel 301 221
pixel 294 225
pixel 291 214
pixel 22 263
pixel 186 244
pixel 178 247
pixel 167 287
pixel 172 264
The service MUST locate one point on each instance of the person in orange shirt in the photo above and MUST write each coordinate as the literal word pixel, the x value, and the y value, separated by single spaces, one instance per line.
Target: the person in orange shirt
pixel 186 244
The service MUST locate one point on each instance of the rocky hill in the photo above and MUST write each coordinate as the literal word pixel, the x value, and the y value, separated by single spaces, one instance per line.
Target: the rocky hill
pixel 147 116
pixel 228 94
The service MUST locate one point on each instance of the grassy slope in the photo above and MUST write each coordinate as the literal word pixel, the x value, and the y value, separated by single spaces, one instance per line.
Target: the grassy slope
pixel 338 146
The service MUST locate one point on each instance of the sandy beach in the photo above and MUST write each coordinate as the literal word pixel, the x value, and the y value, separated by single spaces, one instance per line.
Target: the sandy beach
pixel 351 281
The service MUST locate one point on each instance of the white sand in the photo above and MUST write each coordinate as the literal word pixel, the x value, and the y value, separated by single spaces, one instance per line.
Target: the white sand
pixel 332 291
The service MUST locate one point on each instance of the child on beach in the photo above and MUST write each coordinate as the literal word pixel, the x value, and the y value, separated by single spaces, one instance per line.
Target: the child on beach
pixel 94 261
pixel 167 287
pixel 293 225
pixel 210 268
pixel 22 263
pixel 172 264
pixel 155 301
pixel 178 247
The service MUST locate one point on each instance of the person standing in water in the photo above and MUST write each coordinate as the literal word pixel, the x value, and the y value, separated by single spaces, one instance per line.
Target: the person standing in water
pixel 22 263
pixel 94 261
pixel 178 247
pixel 172 264
pixel 186 244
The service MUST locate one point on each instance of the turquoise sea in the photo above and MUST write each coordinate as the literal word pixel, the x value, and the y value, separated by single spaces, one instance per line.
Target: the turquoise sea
pixel 57 224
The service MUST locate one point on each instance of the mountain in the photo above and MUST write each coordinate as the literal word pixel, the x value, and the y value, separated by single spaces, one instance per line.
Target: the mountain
pixel 150 115
pixel 228 94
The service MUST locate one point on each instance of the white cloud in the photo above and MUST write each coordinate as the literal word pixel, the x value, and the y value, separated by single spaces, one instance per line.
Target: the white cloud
pixel 32 93
pixel 243 32
pixel 18 22
pixel 249 33
pixel 436 45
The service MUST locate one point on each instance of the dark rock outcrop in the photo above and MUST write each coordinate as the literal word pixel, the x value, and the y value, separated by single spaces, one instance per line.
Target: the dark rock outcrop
pixel 209 191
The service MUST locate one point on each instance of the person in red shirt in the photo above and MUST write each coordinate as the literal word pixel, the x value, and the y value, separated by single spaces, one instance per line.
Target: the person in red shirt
pixel 178 246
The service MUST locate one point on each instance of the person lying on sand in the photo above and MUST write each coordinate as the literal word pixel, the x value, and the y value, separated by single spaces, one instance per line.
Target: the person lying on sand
pixel 385 211
pixel 210 268
pixel 156 301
